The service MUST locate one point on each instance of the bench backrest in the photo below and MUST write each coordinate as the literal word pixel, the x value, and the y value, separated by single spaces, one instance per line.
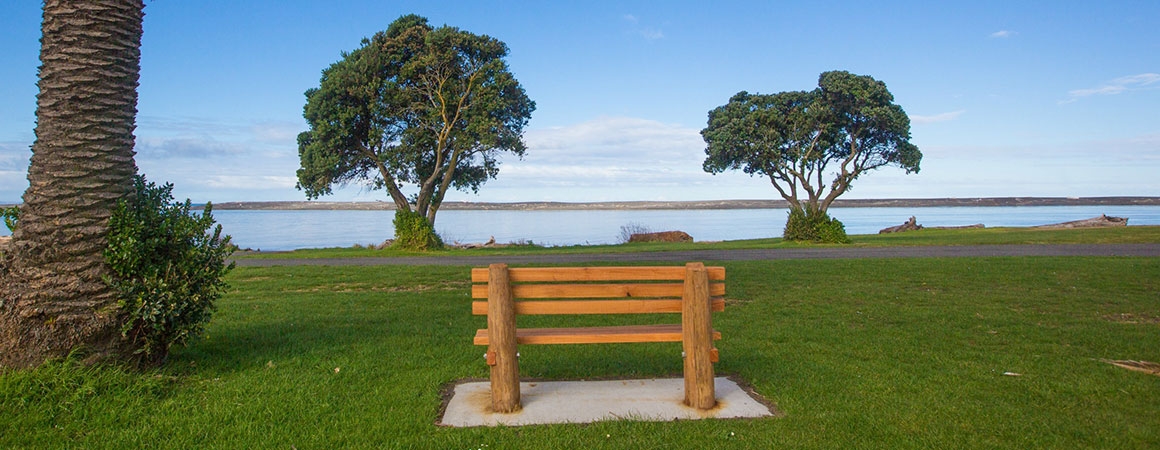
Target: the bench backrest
pixel 597 290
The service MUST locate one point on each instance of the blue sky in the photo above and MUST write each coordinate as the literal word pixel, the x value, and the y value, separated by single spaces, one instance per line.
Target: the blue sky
pixel 1006 98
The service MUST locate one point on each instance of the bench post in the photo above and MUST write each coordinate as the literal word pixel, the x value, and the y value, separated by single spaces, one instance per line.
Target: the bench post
pixel 501 330
pixel 697 338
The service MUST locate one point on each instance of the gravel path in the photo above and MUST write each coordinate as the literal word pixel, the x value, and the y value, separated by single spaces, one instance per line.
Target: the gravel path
pixel 1147 250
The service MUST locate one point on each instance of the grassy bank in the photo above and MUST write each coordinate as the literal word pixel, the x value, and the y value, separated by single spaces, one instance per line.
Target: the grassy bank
pixel 987 236
pixel 857 353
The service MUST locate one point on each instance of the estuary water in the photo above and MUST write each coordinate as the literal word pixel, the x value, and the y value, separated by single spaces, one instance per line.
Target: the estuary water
pixel 289 230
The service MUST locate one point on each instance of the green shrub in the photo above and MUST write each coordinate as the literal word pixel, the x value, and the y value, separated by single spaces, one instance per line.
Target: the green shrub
pixel 414 232
pixel 797 227
pixel 814 226
pixel 11 215
pixel 167 268
pixel 831 231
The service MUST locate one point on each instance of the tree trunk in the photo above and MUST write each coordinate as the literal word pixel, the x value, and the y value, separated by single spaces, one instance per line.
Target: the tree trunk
pixel 53 300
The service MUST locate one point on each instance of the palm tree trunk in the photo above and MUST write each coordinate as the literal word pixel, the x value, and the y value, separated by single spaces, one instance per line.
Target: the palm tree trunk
pixel 54 300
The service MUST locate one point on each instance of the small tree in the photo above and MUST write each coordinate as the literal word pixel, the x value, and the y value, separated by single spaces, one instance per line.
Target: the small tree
pixel 418 108
pixel 847 126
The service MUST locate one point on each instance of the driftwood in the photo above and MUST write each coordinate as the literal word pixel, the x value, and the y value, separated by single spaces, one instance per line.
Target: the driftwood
pixel 910 225
pixel 663 236
pixel 960 227
pixel 489 244
pixel 1095 222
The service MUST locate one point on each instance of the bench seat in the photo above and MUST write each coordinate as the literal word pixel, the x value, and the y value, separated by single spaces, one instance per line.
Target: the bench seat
pixel 595 335
pixel 693 291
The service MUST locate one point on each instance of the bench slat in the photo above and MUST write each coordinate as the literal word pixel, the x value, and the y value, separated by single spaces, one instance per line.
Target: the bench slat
pixel 636 273
pixel 595 335
pixel 644 290
pixel 531 307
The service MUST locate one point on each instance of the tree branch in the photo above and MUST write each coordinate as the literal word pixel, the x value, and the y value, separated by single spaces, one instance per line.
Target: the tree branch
pixel 388 180
pixel 444 169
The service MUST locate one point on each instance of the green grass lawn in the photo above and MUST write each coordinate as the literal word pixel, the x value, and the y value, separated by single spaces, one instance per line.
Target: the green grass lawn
pixel 986 236
pixel 887 353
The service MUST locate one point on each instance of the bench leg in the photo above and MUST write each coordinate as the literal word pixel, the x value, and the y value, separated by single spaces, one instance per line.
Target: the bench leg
pixel 501 329
pixel 697 338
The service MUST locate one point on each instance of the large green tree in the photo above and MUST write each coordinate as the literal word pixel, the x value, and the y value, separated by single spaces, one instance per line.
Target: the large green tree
pixel 812 145
pixel 415 110
pixel 53 299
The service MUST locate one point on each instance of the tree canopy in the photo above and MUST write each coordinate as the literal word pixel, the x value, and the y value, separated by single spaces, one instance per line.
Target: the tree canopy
pixel 847 126
pixel 415 110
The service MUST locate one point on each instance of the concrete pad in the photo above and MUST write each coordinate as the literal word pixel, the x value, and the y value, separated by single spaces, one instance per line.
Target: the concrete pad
pixel 590 401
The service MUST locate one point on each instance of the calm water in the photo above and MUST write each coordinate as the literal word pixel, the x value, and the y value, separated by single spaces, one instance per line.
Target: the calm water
pixel 287 230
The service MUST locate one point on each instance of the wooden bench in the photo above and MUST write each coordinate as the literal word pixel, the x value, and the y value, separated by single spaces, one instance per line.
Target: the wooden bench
pixel 694 291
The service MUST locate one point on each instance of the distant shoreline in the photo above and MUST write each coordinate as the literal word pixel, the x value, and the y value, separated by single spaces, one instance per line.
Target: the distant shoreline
pixel 699 204
pixel 706 204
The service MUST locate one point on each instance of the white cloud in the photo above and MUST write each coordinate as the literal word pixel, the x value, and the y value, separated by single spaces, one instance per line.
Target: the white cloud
pixel 250 182
pixel 227 144
pixel 1117 86
pixel 1002 34
pixel 1134 152
pixel 947 116
pixel 212 160
pixel 205 159
pixel 186 148
pixel 616 141
pixel 651 34
pixel 188 126
pixel 14 155
pixel 648 32
pixel 273 132
pixel 277 132
pixel 610 158
pixel 1111 167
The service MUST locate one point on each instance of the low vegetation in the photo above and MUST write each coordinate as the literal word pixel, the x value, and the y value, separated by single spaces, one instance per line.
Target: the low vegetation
pixel 814 226
pixel 414 233
pixel 897 353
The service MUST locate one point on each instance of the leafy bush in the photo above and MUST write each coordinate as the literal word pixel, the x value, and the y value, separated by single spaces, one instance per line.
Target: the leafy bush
pixel 414 232
pixel 167 268
pixel 797 226
pixel 11 215
pixel 832 231
pixel 814 226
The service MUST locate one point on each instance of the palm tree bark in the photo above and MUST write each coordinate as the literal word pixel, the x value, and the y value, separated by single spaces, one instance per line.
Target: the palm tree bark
pixel 53 300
